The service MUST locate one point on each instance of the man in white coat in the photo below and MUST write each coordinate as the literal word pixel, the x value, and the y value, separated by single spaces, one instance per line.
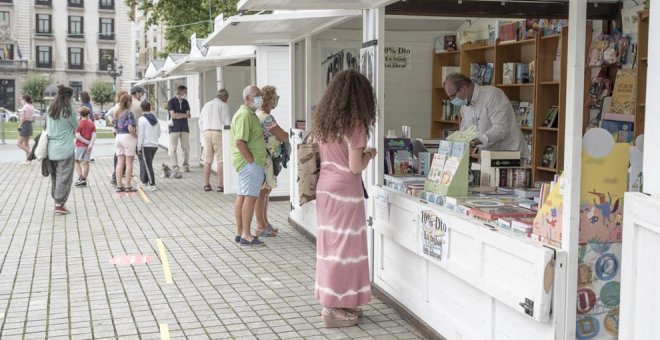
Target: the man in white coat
pixel 215 114
pixel 489 109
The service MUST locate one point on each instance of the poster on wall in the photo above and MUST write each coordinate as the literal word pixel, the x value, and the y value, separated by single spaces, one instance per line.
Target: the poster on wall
pixel 433 234
pixel 598 297
pixel 335 60
pixel 368 62
pixel 397 57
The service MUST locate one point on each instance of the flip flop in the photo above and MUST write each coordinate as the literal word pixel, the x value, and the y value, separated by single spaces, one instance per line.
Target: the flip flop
pixel 273 231
pixel 130 189
pixel 220 189
pixel 121 189
pixel 268 231
pixel 207 188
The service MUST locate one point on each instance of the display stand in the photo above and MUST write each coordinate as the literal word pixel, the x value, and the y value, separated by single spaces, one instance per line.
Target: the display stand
pixel 449 170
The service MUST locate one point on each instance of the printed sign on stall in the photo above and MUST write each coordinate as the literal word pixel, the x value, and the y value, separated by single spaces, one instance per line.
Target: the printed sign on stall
pixel 398 57
pixel 434 234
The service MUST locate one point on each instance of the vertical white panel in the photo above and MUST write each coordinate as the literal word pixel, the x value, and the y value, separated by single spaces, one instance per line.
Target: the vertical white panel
pixel 274 68
pixel 652 120
pixel 573 157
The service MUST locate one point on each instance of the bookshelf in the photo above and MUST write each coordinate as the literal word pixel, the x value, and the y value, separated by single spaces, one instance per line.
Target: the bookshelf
pixel 438 121
pixel 542 92
pixel 641 64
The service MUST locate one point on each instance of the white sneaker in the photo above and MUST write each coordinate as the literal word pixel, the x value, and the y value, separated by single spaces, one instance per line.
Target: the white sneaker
pixel 150 188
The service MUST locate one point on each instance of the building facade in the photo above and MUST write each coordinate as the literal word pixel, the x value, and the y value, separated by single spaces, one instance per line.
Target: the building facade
pixel 150 42
pixel 72 42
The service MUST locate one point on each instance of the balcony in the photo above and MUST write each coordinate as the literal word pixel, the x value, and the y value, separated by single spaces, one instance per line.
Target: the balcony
pixel 13 64
pixel 6 2
pixel 43 35
pixel 107 36
pixel 76 4
pixel 48 3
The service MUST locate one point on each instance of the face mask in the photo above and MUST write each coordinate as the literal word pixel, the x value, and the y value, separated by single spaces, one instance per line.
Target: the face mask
pixel 458 102
pixel 275 105
pixel 185 96
pixel 143 97
pixel 256 102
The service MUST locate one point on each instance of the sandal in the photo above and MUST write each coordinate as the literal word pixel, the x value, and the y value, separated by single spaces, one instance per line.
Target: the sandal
pixel 121 189
pixel 338 317
pixel 220 189
pixel 267 232
pixel 130 189
pixel 207 188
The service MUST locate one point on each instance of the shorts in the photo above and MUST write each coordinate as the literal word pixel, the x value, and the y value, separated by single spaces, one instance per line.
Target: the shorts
pixel 125 145
pixel 81 154
pixel 212 146
pixel 250 179
pixel 25 129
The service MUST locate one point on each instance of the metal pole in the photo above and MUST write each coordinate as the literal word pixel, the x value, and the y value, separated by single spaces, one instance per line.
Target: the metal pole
pixel 3 117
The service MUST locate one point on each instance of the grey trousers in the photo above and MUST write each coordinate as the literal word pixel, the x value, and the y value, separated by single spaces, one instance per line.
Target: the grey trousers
pixel 61 179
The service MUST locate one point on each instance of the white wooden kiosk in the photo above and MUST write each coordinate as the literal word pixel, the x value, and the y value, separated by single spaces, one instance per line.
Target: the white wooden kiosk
pixel 476 291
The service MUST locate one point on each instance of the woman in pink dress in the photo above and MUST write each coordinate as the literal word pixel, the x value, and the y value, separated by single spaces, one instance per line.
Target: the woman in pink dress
pixel 341 124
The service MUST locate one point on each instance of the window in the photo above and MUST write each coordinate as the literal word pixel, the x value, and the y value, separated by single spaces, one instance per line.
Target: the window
pixel 43 24
pixel 76 86
pixel 107 4
pixel 106 58
pixel 76 27
pixel 76 3
pixel 4 18
pixel 155 36
pixel 107 28
pixel 155 56
pixel 43 2
pixel 6 52
pixel 6 1
pixel 76 58
pixel 44 54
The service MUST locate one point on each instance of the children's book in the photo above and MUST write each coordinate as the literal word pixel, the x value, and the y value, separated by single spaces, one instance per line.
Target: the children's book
pixel 622 131
pixel 551 116
pixel 508 73
pixel 549 156
pixel 548 219
pixel 624 97
pixel 425 159
pixel 493 213
pixel 392 155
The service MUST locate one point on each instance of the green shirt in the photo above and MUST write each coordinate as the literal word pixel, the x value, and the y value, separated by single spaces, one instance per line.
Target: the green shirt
pixel 246 127
pixel 61 135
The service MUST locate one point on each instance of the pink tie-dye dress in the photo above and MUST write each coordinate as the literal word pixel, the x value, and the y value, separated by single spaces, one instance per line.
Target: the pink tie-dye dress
pixel 342 261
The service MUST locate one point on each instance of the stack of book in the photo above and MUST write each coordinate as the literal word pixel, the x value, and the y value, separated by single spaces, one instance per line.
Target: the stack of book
pixel 481 73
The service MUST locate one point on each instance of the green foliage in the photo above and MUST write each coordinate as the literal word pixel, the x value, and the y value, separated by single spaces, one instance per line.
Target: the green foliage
pixel 102 92
pixel 34 86
pixel 182 18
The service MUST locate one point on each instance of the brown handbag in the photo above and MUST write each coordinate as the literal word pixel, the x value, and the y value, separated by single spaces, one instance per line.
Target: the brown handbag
pixel 309 168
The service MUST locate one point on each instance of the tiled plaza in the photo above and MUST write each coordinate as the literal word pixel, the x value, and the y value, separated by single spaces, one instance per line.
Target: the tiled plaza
pixel 58 279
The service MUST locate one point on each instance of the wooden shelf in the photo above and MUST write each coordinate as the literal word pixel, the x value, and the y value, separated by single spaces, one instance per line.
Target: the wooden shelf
pixel 642 104
pixel 515 85
pixel 526 128
pixel 553 36
pixel 446 121
pixel 545 128
pixel 549 83
pixel 518 43
pixel 643 59
pixel 447 52
pixel 478 48
pixel 541 168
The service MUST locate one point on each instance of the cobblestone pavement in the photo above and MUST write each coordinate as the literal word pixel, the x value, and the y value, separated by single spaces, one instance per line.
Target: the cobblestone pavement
pixel 57 280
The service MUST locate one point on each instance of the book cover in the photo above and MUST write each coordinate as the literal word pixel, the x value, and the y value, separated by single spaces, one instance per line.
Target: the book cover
pixel 551 116
pixel 548 219
pixel 521 113
pixel 604 181
pixel 621 131
pixel 508 32
pixel 425 161
pixel 450 42
pixel 523 225
pixel 522 73
pixel 508 73
pixel 549 156
pixel 504 223
pixel 439 45
pixel 403 163
pixel 474 72
pixel 493 213
pixel 435 173
pixel 391 146
pixel 624 97
pixel 488 74
pixel 445 147
pixel 458 149
pixel 449 170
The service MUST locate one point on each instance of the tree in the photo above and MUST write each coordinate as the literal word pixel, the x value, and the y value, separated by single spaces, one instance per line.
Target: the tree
pixel 34 86
pixel 102 93
pixel 198 18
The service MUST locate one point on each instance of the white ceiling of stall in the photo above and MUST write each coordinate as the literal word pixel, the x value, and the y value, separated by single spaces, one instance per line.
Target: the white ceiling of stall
pixel 257 5
pixel 409 23
pixel 279 28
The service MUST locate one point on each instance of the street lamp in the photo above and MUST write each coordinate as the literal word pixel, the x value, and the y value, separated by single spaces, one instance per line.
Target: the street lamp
pixel 115 69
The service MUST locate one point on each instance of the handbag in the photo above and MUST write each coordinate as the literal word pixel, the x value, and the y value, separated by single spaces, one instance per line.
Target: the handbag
pixel 41 150
pixel 309 168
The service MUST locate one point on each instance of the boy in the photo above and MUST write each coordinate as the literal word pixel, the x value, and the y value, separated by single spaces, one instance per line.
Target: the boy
pixel 148 131
pixel 85 136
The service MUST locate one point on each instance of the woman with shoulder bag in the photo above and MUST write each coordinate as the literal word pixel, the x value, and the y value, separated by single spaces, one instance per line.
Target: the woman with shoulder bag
pixel 125 143
pixel 25 127
pixel 62 124
pixel 341 123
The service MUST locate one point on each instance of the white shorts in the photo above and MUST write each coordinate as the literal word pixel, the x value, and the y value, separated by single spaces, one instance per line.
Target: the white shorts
pixel 125 145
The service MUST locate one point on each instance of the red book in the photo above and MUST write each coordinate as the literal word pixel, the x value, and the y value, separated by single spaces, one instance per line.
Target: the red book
pixel 492 214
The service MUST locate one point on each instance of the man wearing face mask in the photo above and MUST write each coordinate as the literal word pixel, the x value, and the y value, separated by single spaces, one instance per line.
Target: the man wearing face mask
pixel 248 156
pixel 137 92
pixel 489 109
pixel 179 110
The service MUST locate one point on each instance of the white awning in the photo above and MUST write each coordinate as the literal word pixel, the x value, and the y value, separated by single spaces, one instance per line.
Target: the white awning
pixel 275 29
pixel 263 5
pixel 155 80
pixel 197 65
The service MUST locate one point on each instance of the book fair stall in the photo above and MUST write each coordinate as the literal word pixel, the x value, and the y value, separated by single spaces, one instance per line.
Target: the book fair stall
pixel 492 244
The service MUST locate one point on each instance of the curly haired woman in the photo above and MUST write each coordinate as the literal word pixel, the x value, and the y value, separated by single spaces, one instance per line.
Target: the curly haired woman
pixel 341 124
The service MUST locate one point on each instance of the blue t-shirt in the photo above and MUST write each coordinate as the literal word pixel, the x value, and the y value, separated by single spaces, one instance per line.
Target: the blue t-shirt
pixel 179 106
pixel 122 122
pixel 91 111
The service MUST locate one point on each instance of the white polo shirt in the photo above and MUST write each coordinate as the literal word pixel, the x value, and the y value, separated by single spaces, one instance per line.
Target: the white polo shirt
pixel 491 112
pixel 214 115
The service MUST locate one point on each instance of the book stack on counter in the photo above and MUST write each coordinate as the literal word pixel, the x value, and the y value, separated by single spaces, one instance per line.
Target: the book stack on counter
pixel 503 169
pixel 398 157
pixel 411 185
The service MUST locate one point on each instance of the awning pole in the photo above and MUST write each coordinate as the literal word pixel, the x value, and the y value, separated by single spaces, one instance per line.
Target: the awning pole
pixel 308 82
pixel 651 178
pixel 577 18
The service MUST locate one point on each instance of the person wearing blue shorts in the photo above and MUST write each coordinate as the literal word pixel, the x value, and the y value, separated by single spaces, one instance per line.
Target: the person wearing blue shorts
pixel 248 152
